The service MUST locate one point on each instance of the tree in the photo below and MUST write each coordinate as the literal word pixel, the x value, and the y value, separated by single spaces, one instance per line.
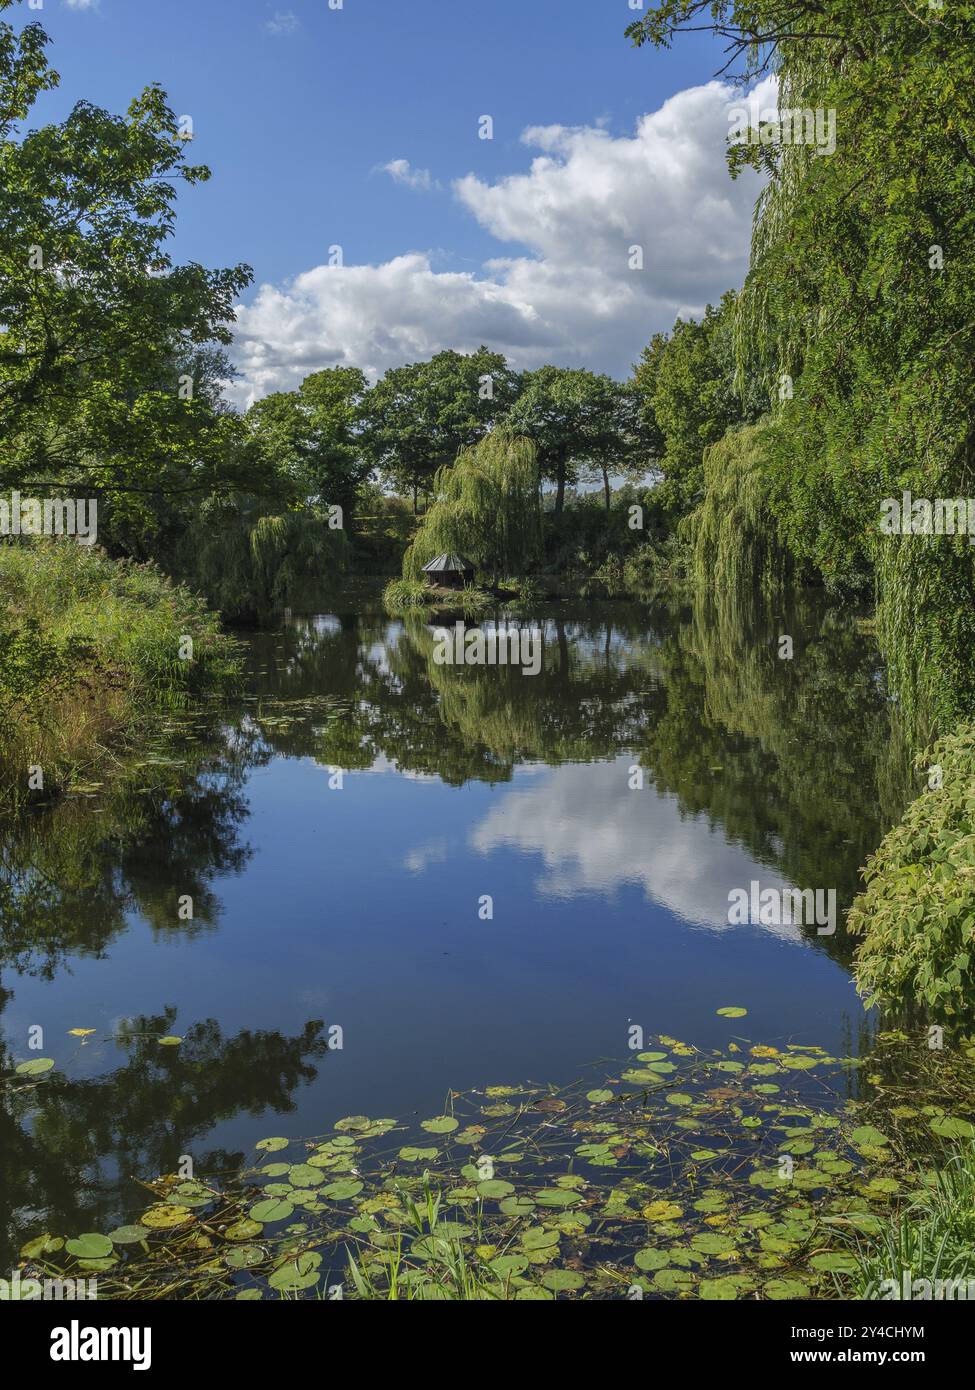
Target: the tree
pixel 94 313
pixel 311 436
pixel 574 418
pixel 418 417
pixel 858 303
pixel 685 382
pixel 487 507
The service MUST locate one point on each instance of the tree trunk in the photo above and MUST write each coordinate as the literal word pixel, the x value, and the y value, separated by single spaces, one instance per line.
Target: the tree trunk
pixel 606 487
pixel 560 488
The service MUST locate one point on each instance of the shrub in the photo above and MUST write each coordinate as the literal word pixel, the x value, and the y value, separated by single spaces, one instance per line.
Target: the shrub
pixel 917 914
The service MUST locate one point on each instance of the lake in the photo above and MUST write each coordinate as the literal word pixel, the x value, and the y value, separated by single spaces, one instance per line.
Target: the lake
pixel 369 879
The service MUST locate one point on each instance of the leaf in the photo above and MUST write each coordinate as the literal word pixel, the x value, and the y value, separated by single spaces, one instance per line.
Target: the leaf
pixel 443 1124
pixel 303 1175
pixel 561 1280
pixel 342 1190
pixel 128 1235
pixel 271 1209
pixel 165 1215
pixel 271 1146
pixel 650 1258
pixel 495 1187
pixel 36 1066
pixel 732 1011
pixel 91 1246
pixel 952 1127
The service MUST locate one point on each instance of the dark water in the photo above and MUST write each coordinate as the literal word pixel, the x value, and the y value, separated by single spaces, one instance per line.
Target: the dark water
pixel 320 907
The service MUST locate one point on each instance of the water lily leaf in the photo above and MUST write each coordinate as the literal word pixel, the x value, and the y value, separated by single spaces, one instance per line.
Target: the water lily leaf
pixel 724 1290
pixel 35 1067
pixel 298 1273
pixel 128 1235
pixel 90 1246
pixel 342 1190
pixel 271 1146
pixel 244 1229
pixel 732 1011
pixel 271 1209
pixel 952 1127
pixel 868 1135
pixel 304 1175
pixel 599 1097
pixel 786 1288
pixel 517 1206
pixel 495 1187
pixel 243 1256
pixel 409 1154
pixel 663 1211
pixel 443 1124
pixel 560 1280
pixel 834 1261
pixel 537 1238
pixel 556 1197
pixel 650 1258
pixel 165 1215
pixel 169 1041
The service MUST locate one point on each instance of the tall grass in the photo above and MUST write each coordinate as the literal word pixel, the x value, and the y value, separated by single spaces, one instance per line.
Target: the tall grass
pixel 932 1239
pixel 447 1271
pixel 88 646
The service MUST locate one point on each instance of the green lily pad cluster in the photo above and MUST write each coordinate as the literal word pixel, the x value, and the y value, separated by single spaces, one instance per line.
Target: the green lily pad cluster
pixel 748 1171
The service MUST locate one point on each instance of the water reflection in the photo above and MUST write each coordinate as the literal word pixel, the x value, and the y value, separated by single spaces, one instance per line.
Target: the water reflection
pixel 302 900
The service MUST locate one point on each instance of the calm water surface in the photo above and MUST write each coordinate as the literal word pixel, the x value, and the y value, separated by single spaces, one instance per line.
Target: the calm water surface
pixel 324 901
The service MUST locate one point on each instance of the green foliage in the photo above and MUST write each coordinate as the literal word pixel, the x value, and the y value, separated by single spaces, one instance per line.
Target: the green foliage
pixel 917 913
pixel 87 643
pixel 400 595
pixel 685 384
pixel 929 1238
pixel 856 316
pixel 96 319
pixel 418 417
pixel 732 533
pixel 581 424
pixel 249 564
pixel 309 438
pixel 487 509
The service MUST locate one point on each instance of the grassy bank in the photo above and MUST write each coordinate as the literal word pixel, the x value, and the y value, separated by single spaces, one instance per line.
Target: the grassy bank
pixel 88 648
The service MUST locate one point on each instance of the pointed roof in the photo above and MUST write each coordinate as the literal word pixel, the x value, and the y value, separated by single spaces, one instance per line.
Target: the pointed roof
pixel 445 563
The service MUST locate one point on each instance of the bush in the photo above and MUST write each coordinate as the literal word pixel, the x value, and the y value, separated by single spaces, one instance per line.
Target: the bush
pixel 917 914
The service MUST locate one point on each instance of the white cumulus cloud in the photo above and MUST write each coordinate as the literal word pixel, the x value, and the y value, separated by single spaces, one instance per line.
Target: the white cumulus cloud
pixel 402 171
pixel 565 291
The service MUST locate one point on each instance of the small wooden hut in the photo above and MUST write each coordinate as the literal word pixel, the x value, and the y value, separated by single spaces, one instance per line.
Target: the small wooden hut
pixel 450 571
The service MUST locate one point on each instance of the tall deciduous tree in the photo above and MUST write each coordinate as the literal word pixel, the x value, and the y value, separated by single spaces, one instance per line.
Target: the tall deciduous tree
pixel 574 419
pixel 311 436
pixel 419 416
pixel 94 313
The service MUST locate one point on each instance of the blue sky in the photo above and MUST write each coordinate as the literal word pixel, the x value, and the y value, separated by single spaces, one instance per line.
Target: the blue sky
pixel 298 108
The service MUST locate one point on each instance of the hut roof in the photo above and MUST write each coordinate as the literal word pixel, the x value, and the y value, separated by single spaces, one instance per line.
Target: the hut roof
pixel 447 563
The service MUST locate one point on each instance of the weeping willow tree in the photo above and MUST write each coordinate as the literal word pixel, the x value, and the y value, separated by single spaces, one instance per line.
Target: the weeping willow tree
pixel 487 507
pixel 248 565
pixel 858 315
pixel 732 535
